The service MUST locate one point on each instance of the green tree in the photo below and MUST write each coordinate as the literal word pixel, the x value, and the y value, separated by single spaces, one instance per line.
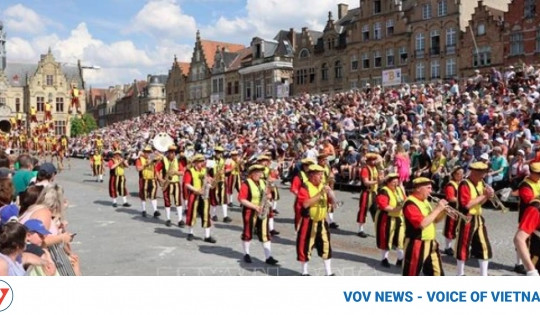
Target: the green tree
pixel 83 125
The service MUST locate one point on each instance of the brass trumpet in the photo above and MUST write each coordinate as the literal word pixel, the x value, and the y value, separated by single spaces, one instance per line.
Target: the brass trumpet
pixel 496 201
pixel 452 212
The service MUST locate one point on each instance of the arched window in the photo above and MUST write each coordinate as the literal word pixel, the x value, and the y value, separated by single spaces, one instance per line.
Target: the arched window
pixel 324 72
pixel 304 53
pixel 338 71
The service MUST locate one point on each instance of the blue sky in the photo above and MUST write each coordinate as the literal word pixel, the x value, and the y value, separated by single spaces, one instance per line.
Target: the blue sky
pixel 129 39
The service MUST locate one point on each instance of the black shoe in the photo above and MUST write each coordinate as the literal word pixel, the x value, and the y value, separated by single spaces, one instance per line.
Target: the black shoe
pixel 181 224
pixel 332 275
pixel 247 258
pixel 101 180
pixel 156 214
pixel 306 274
pixel 168 223
pixel 114 205
pixel 214 218
pixel 190 237
pixel 227 220
pixel 230 204
pixel 126 204
pixel 449 252
pixel 362 234
pixel 275 211
pixel 385 263
pixel 274 233
pixel 210 240
pixel 333 225
pixel 144 214
pixel 520 269
pixel 399 262
pixel 271 261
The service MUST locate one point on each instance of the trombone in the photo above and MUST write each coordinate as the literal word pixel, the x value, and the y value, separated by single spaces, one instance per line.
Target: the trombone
pixel 452 212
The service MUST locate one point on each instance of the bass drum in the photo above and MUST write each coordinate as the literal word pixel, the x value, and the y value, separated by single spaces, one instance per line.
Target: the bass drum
pixel 5 126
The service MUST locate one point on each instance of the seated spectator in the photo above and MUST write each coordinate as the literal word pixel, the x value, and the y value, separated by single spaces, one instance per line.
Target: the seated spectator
pixel 498 168
pixel 350 165
pixel 519 169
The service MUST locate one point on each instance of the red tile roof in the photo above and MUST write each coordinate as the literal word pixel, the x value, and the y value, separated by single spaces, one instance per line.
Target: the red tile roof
pixel 209 49
pixel 184 67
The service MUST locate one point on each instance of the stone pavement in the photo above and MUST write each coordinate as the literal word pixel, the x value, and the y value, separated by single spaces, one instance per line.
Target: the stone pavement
pixel 119 241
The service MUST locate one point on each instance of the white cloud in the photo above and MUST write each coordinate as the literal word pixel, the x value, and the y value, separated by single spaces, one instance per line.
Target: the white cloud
pixel 163 19
pixel 266 18
pixel 21 48
pixel 19 18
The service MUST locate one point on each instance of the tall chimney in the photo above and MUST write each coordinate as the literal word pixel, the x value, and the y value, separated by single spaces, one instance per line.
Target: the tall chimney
pixel 292 38
pixel 342 10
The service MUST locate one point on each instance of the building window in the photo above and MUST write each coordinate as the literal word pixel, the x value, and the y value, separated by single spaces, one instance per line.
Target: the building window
pixel 365 61
pixel 390 57
pixel 538 40
pixel 354 63
pixel 248 91
pixel 377 34
pixel 376 6
pixel 377 59
pixel 442 8
pixel 403 55
pixel 236 87
pixel 3 101
pixel 516 44
pixel 420 45
pixel 304 53
pixel 60 127
pixel 17 105
pixel 435 42
pixel 389 27
pixel 40 103
pixel 324 72
pixel 311 75
pixel 220 85
pixel 215 86
pixel 451 68
pixel 50 80
pixel 338 69
pixel 529 9
pixel 229 88
pixel 258 89
pixel 420 71
pixel 482 57
pixel 451 37
pixel 301 76
pixel 365 32
pixel 426 11
pixel 269 90
pixel 354 84
pixel 480 29
pixel 435 69
pixel 60 104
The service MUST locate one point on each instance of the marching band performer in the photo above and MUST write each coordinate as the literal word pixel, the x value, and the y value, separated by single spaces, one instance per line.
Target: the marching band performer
pixel 328 179
pixel 529 229
pixel 251 196
pixel 421 247
pixel 389 225
pixel 232 173
pixel 117 179
pixel 33 114
pixel 48 111
pixel 197 186
pixel 528 190
pixel 169 174
pixel 147 180
pixel 74 99
pixel 219 193
pixel 99 144
pixel 96 163
pixel 450 194
pixel 369 176
pixel 313 198
pixel 271 177
pixel 297 182
pixel 472 237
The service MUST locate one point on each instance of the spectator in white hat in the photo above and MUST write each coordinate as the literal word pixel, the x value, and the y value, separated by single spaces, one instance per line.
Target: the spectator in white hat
pixel 498 168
